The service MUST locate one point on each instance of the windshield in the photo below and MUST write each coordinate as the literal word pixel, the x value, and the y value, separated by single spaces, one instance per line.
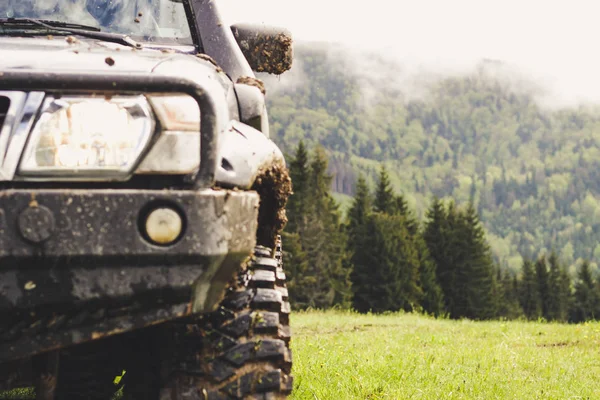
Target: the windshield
pixel 160 21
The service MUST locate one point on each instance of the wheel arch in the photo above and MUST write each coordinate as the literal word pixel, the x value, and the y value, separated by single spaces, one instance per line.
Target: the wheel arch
pixel 252 161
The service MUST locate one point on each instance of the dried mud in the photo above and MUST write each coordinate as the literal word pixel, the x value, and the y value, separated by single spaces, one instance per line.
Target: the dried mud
pixel 247 80
pixel 267 49
pixel 274 186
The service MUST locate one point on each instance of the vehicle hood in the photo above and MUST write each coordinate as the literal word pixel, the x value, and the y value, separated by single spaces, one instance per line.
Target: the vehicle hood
pixel 60 53
pixel 68 53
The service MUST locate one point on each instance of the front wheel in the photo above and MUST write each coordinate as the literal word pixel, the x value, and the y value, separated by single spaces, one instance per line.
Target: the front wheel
pixel 240 351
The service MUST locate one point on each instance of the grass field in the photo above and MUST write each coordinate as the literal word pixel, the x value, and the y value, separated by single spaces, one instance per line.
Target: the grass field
pixel 340 355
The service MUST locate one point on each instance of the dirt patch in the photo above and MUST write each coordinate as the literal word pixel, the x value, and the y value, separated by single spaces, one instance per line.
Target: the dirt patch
pixel 274 186
pixel 208 58
pixel 246 80
pixel 558 344
pixel 263 51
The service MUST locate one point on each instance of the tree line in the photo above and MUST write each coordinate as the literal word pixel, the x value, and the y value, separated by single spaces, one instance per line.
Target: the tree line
pixel 534 170
pixel 381 257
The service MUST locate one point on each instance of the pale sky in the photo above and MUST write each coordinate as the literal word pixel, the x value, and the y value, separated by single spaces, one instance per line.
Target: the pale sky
pixel 557 42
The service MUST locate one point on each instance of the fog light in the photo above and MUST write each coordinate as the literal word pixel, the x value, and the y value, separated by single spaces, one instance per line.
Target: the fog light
pixel 163 226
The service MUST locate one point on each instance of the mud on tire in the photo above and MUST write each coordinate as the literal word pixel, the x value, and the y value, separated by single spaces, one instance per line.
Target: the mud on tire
pixel 240 351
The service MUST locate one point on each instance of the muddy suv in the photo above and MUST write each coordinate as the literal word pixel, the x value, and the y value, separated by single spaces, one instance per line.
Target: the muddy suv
pixel 140 203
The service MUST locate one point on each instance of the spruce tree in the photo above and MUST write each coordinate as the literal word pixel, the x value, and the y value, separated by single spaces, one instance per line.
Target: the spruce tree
pixel 324 239
pixel 297 206
pixel 559 294
pixel 432 299
pixel 296 263
pixel 358 213
pixel 437 236
pixel 296 269
pixel 529 292
pixel 509 305
pixel 378 268
pixel 464 267
pixel 475 267
pixel 400 207
pixel 543 286
pixel 385 200
pixel 314 240
pixel 358 216
pixel 566 291
pixel 587 299
pixel 386 279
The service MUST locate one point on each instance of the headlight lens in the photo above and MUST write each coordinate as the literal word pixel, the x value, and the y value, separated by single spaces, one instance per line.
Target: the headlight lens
pixel 177 149
pixel 86 137
pixel 177 113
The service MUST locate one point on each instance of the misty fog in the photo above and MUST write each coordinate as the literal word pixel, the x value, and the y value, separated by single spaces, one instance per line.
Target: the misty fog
pixel 547 45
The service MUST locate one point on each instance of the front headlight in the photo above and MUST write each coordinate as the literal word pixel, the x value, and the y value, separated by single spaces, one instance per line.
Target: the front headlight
pixel 88 137
pixel 177 149
pixel 177 113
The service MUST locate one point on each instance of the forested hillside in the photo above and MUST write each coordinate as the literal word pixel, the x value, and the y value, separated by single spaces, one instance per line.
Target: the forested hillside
pixel 531 170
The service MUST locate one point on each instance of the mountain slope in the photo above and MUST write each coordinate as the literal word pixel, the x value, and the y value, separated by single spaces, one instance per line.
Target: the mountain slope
pixel 532 171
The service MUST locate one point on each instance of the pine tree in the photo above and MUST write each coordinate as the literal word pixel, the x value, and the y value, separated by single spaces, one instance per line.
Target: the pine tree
pixel 324 239
pixel 464 267
pixel 297 206
pixel 559 294
pixel 296 269
pixel 314 240
pixel 358 213
pixel 587 299
pixel 509 306
pixel 386 261
pixel 475 267
pixel 358 217
pixel 432 299
pixel 385 200
pixel 543 286
pixel 400 207
pixel 566 291
pixel 386 279
pixel 296 263
pixel 529 292
pixel 437 237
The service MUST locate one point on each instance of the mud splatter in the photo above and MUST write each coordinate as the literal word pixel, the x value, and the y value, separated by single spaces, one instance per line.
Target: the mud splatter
pixel 262 51
pixel 274 186
pixel 208 58
pixel 247 80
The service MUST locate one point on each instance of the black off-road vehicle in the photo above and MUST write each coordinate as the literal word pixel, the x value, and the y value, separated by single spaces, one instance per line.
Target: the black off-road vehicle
pixel 140 203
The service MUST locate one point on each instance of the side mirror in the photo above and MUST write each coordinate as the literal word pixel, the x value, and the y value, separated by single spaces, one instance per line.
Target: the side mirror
pixel 267 49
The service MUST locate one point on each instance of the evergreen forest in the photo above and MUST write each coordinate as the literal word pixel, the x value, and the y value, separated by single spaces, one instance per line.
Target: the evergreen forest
pixel 464 195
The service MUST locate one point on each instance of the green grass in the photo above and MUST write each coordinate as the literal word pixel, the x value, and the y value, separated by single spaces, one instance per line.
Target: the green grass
pixel 340 355
pixel 25 393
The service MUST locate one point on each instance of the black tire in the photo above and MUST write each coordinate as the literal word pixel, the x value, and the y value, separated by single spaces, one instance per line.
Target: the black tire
pixel 87 372
pixel 240 351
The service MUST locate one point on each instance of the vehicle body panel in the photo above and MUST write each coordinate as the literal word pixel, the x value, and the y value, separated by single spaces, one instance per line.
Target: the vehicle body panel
pixel 74 262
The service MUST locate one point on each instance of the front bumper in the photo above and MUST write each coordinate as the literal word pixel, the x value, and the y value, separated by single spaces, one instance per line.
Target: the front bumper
pixel 95 274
